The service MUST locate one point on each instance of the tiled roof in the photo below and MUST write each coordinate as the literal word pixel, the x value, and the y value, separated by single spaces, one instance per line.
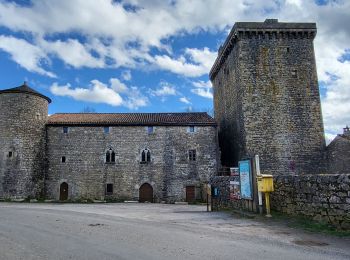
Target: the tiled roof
pixel 131 119
pixel 25 89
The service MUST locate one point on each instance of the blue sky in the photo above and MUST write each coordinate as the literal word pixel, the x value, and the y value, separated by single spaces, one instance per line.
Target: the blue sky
pixel 154 55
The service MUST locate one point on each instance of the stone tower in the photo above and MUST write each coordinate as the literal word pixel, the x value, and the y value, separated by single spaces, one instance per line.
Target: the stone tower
pixel 266 97
pixel 23 115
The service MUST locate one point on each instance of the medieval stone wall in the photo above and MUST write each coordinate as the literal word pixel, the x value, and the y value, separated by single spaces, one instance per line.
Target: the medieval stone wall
pixel 22 144
pixel 169 171
pixel 267 100
pixel 324 198
pixel 228 109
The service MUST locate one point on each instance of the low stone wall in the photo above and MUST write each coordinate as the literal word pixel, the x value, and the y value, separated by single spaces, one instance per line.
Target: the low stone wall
pixel 223 200
pixel 324 198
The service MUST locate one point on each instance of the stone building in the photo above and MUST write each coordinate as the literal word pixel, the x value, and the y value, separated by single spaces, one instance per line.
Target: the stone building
pixel 338 153
pixel 266 97
pixel 136 156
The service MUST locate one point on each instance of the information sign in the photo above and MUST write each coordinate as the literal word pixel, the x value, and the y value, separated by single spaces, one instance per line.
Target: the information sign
pixel 245 177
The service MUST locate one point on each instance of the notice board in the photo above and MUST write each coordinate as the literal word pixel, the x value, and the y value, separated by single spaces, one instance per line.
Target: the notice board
pixel 245 177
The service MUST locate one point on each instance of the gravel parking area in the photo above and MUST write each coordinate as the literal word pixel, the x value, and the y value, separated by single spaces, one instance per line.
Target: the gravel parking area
pixel 151 231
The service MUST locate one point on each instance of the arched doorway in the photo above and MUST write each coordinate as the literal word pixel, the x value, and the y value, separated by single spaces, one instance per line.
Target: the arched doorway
pixel 64 191
pixel 146 193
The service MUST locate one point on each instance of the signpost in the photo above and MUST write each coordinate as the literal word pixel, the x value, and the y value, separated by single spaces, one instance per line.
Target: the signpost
pixel 245 179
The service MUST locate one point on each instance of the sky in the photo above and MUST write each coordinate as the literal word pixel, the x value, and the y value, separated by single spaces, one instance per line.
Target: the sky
pixel 155 55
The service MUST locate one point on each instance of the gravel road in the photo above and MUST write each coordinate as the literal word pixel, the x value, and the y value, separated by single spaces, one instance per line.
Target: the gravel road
pixel 151 231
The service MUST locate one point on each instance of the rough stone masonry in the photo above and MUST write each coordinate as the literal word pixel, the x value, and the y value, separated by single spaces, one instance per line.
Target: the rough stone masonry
pixel 137 156
pixel 266 97
pixel 267 102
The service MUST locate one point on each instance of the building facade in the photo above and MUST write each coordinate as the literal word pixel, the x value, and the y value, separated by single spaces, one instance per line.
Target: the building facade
pixel 138 156
pixel 266 97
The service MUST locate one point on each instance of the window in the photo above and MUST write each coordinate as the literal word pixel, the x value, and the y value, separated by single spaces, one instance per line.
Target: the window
pixel 191 129
pixel 110 156
pixel 294 73
pixel 150 129
pixel 63 159
pixel 10 154
pixel 145 156
pixel 192 155
pixel 65 130
pixel 106 129
pixel 109 189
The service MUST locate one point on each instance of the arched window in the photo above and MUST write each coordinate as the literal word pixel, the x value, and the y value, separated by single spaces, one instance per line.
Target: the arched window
pixel 148 156
pixel 113 157
pixel 145 156
pixel 110 156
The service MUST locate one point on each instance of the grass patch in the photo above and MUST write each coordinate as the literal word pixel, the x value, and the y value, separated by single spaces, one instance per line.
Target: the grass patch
pixel 310 225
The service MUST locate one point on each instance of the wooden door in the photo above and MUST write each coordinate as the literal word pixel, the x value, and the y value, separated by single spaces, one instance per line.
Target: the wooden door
pixel 64 191
pixel 190 194
pixel 146 193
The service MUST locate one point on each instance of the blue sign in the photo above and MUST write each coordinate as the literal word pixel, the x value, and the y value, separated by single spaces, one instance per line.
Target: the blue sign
pixel 245 179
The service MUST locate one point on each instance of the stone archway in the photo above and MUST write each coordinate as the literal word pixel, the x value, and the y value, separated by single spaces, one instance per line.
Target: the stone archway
pixel 146 193
pixel 64 191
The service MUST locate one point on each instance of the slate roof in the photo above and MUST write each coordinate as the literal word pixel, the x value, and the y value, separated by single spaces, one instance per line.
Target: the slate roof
pixel 161 119
pixel 25 89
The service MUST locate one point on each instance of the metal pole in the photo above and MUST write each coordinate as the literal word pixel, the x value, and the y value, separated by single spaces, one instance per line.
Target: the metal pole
pixel 207 201
pixel 267 200
pixel 257 165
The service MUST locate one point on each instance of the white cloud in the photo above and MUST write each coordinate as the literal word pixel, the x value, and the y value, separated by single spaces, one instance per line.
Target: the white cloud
pixel 203 89
pixel 113 36
pixel 202 92
pixel 202 84
pixel 118 86
pixel 165 89
pixel 198 63
pixel 126 75
pixel 135 99
pixel 185 100
pixel 73 53
pixel 25 54
pixel 103 45
pixel 98 92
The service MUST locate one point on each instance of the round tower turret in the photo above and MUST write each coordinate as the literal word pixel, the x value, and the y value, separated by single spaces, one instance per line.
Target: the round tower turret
pixel 23 116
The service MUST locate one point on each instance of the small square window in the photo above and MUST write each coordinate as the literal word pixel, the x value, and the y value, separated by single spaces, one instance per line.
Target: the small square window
pixel 109 189
pixel 65 130
pixel 294 73
pixel 106 129
pixel 10 154
pixel 63 159
pixel 192 155
pixel 191 129
pixel 150 129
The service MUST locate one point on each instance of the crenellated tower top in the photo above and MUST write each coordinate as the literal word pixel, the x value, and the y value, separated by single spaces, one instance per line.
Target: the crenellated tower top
pixel 270 29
